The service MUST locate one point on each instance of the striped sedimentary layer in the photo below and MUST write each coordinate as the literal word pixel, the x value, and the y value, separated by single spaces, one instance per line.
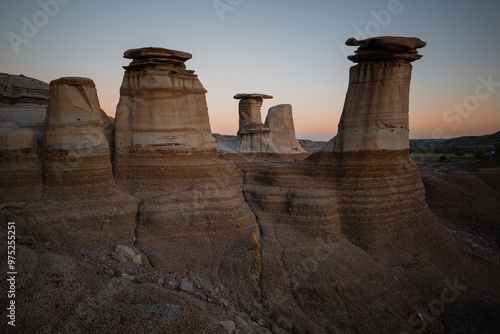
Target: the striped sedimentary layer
pixel 75 150
pixel 192 213
pixel 375 115
pixel 314 275
pixel 162 113
pixel 20 167
pixel 201 222
pixel 382 206
pixel 79 189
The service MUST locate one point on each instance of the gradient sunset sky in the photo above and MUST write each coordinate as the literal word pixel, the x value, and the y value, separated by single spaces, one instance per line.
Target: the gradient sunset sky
pixel 291 49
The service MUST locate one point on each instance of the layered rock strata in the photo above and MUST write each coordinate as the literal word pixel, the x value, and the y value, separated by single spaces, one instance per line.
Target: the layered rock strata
pixel 19 89
pixel 341 245
pixel 162 112
pixel 165 156
pixel 76 163
pixel 253 136
pixel 371 156
pixel 20 167
pixel 75 150
pixel 23 101
pixel 375 115
pixel 279 120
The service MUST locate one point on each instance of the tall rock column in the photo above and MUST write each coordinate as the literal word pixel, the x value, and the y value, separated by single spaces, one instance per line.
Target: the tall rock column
pixel 79 189
pixel 192 208
pixel 375 115
pixel 253 136
pixel 382 204
pixel 280 121
pixel 162 115
pixel 75 149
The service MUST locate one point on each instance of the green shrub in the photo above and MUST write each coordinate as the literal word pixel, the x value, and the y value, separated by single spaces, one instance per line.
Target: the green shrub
pixel 443 159
pixel 480 153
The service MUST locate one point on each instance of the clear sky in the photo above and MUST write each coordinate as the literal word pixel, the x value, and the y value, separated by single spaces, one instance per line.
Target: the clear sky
pixel 291 49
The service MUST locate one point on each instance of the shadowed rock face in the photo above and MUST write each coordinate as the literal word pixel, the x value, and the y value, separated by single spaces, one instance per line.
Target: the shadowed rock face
pixel 386 48
pixel 16 89
pixel 79 189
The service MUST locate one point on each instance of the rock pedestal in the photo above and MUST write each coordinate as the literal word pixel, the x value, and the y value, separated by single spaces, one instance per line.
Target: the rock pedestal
pixel 376 178
pixel 162 113
pixel 253 136
pixel 375 115
pixel 166 157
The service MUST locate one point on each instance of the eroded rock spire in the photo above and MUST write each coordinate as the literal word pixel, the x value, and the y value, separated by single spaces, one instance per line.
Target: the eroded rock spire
pixel 375 115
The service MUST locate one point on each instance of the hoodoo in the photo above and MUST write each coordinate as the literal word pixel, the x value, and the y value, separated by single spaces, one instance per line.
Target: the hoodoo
pixel 375 115
pixel 280 121
pixel 79 188
pixel 75 149
pixel 162 113
pixel 371 156
pixel 165 156
pixel 253 136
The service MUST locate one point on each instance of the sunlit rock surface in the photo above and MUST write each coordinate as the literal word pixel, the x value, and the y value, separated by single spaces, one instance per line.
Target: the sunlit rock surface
pixel 279 120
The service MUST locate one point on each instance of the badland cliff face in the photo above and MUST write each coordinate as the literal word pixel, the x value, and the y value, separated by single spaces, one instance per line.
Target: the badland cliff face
pixel 340 242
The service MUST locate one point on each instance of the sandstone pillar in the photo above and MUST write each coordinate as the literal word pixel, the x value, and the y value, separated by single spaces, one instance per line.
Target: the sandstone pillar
pixel 75 149
pixel 382 203
pixel 162 115
pixel 253 136
pixel 375 115
pixel 280 121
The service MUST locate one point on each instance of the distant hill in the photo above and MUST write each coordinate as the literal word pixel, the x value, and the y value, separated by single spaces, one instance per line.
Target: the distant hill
pixel 312 146
pixel 486 141
pixel 22 89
